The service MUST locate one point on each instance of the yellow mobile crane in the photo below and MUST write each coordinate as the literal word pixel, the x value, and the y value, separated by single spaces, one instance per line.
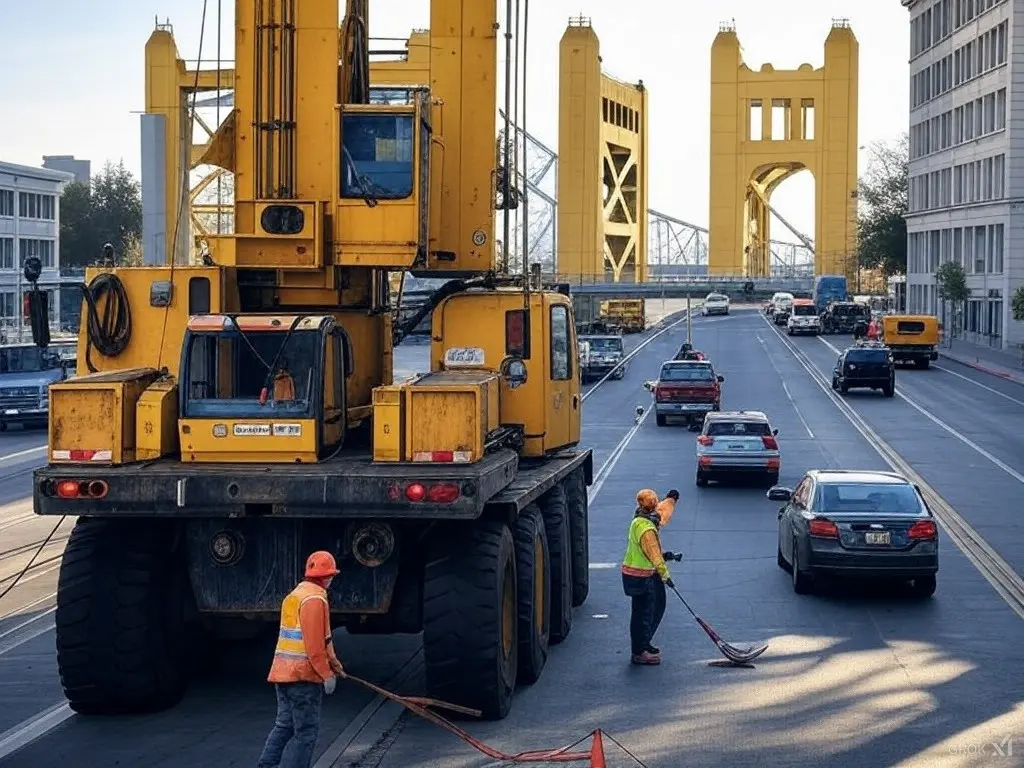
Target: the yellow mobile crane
pixel 240 414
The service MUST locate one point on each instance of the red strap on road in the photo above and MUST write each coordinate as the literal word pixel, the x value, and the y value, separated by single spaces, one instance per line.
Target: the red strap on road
pixel 419 706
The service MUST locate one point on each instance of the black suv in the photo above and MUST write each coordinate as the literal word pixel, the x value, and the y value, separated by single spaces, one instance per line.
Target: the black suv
pixel 843 316
pixel 865 366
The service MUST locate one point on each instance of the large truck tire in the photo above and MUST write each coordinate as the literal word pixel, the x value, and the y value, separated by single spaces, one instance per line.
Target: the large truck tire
pixel 556 520
pixel 470 632
pixel 533 587
pixel 579 530
pixel 122 608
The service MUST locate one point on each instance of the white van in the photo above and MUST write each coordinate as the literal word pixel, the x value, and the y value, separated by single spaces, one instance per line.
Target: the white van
pixel 781 306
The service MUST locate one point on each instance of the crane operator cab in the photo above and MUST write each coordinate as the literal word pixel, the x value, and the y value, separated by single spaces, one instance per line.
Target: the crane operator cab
pixel 258 388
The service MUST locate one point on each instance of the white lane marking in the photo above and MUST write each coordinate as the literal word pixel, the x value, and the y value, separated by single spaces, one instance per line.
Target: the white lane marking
pixel 785 388
pixel 979 384
pixel 611 461
pixel 26 452
pixel 938 422
pixel 959 530
pixel 29 730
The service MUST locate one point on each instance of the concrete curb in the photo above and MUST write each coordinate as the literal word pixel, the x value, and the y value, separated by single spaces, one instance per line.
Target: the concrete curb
pixel 978 366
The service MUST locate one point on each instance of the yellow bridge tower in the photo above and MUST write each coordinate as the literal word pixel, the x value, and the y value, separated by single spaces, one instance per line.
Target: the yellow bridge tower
pixel 602 145
pixel 769 125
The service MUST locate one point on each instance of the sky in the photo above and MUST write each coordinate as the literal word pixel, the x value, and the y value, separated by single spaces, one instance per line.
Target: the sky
pixel 75 74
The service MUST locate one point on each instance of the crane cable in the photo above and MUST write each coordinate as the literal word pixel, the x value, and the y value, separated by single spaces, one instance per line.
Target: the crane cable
pixel 25 570
pixel 111 334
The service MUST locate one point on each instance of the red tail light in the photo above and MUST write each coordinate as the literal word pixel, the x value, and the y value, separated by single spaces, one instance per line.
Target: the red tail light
pixel 415 492
pixel 81 489
pixel 923 529
pixel 770 443
pixel 823 529
pixel 658 393
pixel 443 493
pixel 706 440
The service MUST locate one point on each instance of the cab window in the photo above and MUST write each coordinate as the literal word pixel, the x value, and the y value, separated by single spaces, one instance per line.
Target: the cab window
pixel 561 367
pixel 377 156
pixel 909 327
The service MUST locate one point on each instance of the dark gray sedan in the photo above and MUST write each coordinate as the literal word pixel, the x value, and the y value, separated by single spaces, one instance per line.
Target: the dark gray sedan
pixel 860 524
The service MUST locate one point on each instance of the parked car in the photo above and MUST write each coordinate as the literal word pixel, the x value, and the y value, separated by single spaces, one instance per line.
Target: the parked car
pixel 737 444
pixel 860 524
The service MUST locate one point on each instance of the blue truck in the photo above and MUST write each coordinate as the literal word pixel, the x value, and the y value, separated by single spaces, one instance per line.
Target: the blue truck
pixel 829 288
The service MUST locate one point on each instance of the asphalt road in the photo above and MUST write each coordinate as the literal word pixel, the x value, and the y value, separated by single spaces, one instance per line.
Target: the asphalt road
pixel 853 677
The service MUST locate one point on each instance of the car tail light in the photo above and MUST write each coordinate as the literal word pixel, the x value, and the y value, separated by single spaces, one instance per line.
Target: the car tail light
pixel 770 442
pixel 923 529
pixel 659 393
pixel 706 440
pixel 81 489
pixel 443 493
pixel 415 492
pixel 824 529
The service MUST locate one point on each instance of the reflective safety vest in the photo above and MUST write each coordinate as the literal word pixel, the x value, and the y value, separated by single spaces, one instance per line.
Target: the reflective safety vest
pixel 635 562
pixel 291 661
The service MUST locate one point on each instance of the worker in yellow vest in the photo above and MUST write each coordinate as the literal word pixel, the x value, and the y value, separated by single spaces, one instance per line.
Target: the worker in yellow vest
pixel 305 666
pixel 644 574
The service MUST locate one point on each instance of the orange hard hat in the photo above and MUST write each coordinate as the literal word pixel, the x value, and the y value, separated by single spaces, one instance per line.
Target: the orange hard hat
pixel 647 499
pixel 320 565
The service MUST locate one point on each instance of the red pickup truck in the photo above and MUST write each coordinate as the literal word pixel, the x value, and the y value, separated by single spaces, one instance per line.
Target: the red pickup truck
pixel 686 390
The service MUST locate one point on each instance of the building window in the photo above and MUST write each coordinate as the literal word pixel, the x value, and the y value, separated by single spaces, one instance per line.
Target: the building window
pixel 43 249
pixel 996 239
pixel 8 304
pixel 6 202
pixel 6 253
pixel 32 205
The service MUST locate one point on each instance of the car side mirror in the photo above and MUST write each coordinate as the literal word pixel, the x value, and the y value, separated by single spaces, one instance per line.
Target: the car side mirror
pixel 649 386
pixel 779 493
pixel 775 433
pixel 720 379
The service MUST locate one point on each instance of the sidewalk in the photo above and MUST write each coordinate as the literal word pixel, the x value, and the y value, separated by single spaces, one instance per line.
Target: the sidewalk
pixel 997 362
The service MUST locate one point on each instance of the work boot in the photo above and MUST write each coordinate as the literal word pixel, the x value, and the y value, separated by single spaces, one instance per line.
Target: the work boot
pixel 646 658
pixel 653 650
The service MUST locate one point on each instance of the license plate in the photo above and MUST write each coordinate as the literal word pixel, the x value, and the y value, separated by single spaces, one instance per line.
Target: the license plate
pixel 736 446
pixel 877 538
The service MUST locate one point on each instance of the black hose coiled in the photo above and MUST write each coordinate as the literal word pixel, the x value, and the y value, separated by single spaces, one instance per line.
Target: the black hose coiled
pixel 110 336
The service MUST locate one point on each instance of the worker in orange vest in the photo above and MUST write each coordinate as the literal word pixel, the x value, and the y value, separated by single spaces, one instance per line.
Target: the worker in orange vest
pixel 305 666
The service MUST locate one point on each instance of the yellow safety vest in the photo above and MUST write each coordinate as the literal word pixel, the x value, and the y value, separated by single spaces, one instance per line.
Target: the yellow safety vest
pixel 291 662
pixel 635 562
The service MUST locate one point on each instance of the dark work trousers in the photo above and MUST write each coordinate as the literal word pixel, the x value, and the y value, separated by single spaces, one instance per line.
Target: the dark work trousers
pixel 296 726
pixel 658 588
pixel 643 610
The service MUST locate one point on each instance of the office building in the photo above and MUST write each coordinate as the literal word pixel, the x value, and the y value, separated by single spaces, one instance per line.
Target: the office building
pixel 965 177
pixel 29 226
pixel 80 169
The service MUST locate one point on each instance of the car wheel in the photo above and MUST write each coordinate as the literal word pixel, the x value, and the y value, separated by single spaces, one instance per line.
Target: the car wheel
pixel 660 420
pixel 702 479
pixel 790 331
pixel 801 580
pixel 772 479
pixel 843 389
pixel 889 390
pixel 835 383
pixel 924 586
pixel 780 560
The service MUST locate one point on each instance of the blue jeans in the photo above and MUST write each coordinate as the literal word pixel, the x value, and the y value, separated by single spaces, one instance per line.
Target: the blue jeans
pixel 297 724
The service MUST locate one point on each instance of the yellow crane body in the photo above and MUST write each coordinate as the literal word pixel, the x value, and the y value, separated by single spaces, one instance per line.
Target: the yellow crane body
pixel 241 412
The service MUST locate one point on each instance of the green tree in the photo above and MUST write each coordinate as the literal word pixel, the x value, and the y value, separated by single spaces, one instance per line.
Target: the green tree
pixel 1017 304
pixel 951 281
pixel 882 207
pixel 108 212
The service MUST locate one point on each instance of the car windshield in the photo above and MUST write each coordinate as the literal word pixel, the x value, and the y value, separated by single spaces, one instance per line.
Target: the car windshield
pixel 738 429
pixel 687 373
pixel 28 360
pixel 716 297
pixel 888 498
pixel 867 356
pixel 605 346
pixel 804 309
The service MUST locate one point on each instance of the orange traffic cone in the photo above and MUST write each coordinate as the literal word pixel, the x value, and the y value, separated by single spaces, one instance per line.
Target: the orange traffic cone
pixel 597 751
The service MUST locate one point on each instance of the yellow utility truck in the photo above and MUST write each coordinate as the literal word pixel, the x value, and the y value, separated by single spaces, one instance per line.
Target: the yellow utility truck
pixel 912 338
pixel 629 315
pixel 235 416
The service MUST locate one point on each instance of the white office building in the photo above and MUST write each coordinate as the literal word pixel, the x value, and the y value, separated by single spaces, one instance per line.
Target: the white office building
pixel 29 226
pixel 967 159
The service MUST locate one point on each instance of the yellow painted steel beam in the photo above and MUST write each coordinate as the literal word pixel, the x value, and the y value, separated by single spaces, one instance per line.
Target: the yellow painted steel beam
pixel 814 114
pixel 602 187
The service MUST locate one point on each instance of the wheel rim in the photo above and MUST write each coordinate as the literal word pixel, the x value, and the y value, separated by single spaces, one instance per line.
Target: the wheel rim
pixel 540 609
pixel 508 612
